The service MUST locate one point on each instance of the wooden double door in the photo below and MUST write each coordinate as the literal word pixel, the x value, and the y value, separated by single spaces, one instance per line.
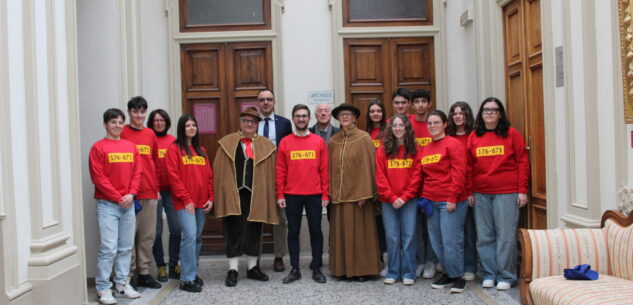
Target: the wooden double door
pixel 375 67
pixel 218 81
pixel 524 100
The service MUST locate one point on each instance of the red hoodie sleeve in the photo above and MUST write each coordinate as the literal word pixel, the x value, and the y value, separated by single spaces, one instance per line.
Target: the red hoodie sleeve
pixel 97 175
pixel 382 181
pixel 210 184
pixel 323 169
pixel 458 170
pixel 173 163
pixel 522 159
pixel 281 170
pixel 156 161
pixel 471 165
pixel 138 170
pixel 415 177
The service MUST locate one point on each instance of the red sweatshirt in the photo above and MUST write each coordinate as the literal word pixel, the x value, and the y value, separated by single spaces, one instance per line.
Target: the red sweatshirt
pixel 444 169
pixel 421 131
pixel 190 178
pixel 163 144
pixel 114 169
pixel 375 136
pixel 500 165
pixel 397 177
pixel 462 138
pixel 147 145
pixel 302 166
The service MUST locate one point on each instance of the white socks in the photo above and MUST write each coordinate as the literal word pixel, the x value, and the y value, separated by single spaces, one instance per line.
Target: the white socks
pixel 233 263
pixel 252 262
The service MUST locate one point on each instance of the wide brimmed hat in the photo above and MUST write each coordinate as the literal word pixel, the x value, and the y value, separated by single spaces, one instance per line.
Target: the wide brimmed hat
pixel 251 111
pixel 345 106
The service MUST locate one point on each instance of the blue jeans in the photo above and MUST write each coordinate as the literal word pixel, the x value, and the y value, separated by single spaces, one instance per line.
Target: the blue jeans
pixel 470 242
pixel 424 250
pixel 174 231
pixel 400 236
pixel 190 243
pixel 116 238
pixel 446 232
pixel 497 217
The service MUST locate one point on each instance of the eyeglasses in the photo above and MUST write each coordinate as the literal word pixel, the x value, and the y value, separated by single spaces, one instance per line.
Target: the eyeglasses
pixel 490 110
pixel 247 121
pixel 264 99
pixel 345 114
pixel 301 116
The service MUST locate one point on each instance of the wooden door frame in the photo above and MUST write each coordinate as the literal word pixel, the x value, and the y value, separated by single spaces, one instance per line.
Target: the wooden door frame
pixel 177 38
pixel 435 30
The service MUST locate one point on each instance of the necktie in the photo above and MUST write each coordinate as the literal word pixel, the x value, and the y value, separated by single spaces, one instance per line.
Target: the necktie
pixel 266 128
pixel 249 149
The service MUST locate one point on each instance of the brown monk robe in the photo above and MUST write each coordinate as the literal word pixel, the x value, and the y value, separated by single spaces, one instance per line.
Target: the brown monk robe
pixel 353 237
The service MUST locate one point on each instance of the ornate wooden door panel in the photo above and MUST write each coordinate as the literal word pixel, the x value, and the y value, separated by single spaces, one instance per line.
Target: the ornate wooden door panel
pixel 218 81
pixel 374 67
pixel 524 84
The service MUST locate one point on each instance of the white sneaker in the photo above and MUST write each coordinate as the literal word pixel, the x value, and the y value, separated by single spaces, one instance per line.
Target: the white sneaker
pixel 488 284
pixel 383 272
pixel 105 297
pixel 127 291
pixel 389 281
pixel 503 286
pixel 408 282
pixel 429 270
pixel 469 276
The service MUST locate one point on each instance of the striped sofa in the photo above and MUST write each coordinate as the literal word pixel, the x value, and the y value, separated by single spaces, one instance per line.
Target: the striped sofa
pixel 609 250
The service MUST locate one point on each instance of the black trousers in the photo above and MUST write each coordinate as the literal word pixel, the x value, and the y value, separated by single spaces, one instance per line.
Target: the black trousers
pixel 294 211
pixel 242 236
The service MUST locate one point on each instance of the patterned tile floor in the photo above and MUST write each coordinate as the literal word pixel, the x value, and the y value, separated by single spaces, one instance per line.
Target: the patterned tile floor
pixel 306 291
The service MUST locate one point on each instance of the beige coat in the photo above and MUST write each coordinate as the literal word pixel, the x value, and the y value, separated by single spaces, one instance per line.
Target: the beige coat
pixel 227 198
pixel 352 166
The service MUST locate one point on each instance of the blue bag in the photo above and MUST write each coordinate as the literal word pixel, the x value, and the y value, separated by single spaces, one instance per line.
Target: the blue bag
pixel 426 206
pixel 137 206
pixel 581 272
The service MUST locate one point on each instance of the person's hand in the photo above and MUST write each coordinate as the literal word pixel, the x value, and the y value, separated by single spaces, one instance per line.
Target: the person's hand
pixel 361 203
pixel 190 208
pixel 324 202
pixel 207 207
pixel 522 200
pixel 126 201
pixel 281 203
pixel 398 203
pixel 450 206
pixel 159 198
pixel 471 201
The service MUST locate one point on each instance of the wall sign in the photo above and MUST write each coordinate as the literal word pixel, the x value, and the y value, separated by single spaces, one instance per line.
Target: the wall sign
pixel 321 97
pixel 206 115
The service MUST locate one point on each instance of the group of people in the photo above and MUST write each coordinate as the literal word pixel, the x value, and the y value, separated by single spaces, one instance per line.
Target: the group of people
pixel 412 185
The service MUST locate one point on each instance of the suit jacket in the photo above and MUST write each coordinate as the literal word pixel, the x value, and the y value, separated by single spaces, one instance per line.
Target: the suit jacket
pixel 283 127
pixel 333 130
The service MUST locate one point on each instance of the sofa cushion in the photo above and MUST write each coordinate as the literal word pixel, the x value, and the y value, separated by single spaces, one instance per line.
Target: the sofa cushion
pixel 557 249
pixel 620 240
pixel 607 290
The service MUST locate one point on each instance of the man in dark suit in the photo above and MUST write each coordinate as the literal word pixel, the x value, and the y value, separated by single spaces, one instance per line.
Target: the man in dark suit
pixel 274 127
pixel 323 128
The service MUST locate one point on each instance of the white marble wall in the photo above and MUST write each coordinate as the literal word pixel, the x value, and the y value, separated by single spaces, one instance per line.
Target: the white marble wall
pixel 41 237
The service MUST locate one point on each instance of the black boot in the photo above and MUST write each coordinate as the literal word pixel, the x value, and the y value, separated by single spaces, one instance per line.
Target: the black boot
pixel 231 278
pixel 256 274
pixel 146 280
pixel 294 275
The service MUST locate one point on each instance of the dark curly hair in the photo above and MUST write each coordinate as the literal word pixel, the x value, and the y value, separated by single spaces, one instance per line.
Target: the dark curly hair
pixel 389 139
pixel 502 127
pixel 469 120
